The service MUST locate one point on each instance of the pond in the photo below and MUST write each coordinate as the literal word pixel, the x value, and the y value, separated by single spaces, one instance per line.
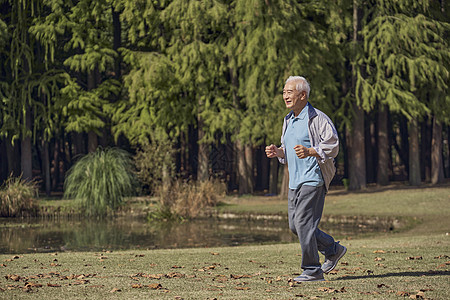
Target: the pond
pixel 38 235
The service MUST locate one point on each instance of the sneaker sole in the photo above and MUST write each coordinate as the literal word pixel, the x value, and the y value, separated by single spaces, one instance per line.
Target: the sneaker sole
pixel 299 281
pixel 337 260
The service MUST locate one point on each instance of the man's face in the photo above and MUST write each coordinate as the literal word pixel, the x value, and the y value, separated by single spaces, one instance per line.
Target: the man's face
pixel 293 98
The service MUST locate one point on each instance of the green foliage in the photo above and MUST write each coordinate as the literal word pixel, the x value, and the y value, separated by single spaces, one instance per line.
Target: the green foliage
pixel 17 197
pixel 184 200
pixel 407 59
pixel 101 180
pixel 155 163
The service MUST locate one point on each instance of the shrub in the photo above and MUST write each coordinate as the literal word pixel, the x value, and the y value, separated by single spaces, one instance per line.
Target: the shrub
pixel 188 199
pixel 16 197
pixel 155 164
pixel 101 180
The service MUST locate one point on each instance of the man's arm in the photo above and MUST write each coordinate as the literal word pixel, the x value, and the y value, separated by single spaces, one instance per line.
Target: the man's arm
pixel 303 152
pixel 274 151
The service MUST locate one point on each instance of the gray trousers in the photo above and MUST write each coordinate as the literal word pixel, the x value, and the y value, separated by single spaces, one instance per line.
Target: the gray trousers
pixel 305 206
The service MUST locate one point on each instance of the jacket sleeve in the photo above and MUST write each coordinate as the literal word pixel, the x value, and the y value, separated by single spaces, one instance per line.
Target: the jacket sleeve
pixel 328 140
pixel 283 160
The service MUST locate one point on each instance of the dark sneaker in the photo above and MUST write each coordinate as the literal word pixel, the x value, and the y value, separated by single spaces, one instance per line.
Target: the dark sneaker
pixel 306 278
pixel 331 262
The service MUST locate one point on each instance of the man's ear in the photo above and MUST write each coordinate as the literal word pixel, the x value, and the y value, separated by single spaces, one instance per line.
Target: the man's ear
pixel 303 96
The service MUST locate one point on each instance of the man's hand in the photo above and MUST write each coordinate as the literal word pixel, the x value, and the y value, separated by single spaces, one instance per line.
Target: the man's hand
pixel 273 151
pixel 303 152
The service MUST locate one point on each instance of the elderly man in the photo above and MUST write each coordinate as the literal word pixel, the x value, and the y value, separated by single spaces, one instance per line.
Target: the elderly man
pixel 309 143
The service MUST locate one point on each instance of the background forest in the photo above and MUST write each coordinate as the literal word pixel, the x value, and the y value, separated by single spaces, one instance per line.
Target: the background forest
pixel 194 87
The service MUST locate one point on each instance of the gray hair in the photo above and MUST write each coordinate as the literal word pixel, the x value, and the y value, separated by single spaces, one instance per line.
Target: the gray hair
pixel 302 84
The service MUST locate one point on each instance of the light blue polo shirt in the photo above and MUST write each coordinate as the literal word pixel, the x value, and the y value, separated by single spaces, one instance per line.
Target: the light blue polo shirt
pixel 301 171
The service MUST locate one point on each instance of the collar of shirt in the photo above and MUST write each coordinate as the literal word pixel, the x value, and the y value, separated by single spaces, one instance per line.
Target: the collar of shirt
pixel 302 114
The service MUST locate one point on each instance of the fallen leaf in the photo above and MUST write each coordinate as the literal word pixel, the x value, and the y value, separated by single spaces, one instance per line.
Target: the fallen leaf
pixel 214 253
pixel 177 267
pixel 154 276
pixel 13 277
pixel 444 264
pixel 115 290
pixel 174 275
pixel 379 251
pixel 243 288
pixel 139 255
pixel 414 258
pixel 53 285
pixel 3 265
pixel 402 294
pixel 55 265
pixel 240 276
pixel 136 286
pixel 155 286
pixel 2 290
pixel 442 256
pixel 379 259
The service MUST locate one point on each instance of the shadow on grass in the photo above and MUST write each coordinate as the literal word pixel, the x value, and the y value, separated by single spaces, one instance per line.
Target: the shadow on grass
pixel 400 274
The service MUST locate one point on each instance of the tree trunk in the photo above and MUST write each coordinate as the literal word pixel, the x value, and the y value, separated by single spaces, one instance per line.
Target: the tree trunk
pixel 26 161
pixel 56 164
pixel 437 165
pixel 264 170
pixel 414 158
pixel 203 155
pixel 12 155
pixel 370 144
pixel 46 168
pixel 242 169
pixel 92 136
pixel 273 179
pixel 383 147
pixel 285 182
pixel 117 41
pixel 249 168
pixel 357 155
pixel 425 153
pixel 3 161
pixel 357 159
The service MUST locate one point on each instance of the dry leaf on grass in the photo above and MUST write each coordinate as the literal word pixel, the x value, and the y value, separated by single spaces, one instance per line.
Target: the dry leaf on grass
pixel 114 290
pixel 414 258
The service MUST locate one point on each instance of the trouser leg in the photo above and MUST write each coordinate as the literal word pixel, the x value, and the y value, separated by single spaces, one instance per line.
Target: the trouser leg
pixel 305 206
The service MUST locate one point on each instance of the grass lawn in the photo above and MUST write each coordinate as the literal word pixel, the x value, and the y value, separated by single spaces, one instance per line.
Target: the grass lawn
pixel 412 263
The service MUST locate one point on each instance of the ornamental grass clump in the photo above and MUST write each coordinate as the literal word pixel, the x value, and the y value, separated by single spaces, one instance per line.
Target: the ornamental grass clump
pixel 16 197
pixel 101 180
pixel 186 200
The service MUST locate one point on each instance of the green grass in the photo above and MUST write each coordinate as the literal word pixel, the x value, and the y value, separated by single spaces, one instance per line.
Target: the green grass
pixel 413 263
pixel 379 268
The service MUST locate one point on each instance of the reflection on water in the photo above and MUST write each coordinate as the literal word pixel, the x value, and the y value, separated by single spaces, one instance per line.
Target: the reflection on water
pixel 36 235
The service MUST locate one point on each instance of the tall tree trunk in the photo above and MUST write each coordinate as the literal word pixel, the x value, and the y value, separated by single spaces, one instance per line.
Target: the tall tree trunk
pixel 3 161
pixel 264 170
pixel 383 147
pixel 357 155
pixel 56 164
pixel 414 158
pixel 117 41
pixel 249 170
pixel 273 179
pixel 92 136
pixel 285 182
pixel 448 151
pixel 425 153
pixel 203 154
pixel 437 165
pixel 12 155
pixel 242 169
pixel 26 161
pixel 369 148
pixel 46 168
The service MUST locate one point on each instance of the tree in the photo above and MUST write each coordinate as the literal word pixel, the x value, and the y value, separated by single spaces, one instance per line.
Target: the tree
pixel 406 58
